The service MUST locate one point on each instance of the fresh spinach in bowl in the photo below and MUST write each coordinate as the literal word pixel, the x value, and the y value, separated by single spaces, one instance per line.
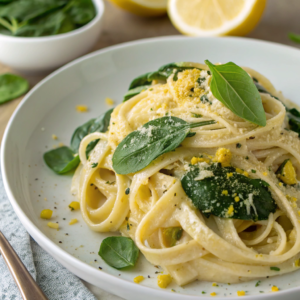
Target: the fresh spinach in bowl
pixel 35 18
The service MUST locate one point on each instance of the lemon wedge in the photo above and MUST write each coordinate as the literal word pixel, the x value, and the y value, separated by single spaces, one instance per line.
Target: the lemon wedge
pixel 144 8
pixel 215 17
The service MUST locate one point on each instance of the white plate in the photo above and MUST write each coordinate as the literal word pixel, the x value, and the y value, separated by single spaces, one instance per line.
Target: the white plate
pixel 50 109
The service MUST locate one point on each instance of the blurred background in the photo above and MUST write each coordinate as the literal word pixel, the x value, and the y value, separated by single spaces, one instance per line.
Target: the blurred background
pixel 119 26
pixel 278 20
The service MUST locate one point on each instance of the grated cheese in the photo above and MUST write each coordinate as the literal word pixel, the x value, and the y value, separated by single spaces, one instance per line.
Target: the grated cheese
pixel 81 108
pixel 138 279
pixel 109 101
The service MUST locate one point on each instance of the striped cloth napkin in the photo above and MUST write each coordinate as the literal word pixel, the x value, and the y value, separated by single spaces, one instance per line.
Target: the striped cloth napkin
pixel 55 280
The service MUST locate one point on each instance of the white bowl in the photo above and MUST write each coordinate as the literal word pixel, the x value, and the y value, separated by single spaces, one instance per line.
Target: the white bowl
pixel 40 54
pixel 49 108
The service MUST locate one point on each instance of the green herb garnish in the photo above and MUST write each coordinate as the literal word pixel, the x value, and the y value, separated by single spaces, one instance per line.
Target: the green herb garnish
pixel 12 87
pixel 258 283
pixel 204 99
pixel 141 147
pixel 194 115
pixel 233 86
pixel 200 80
pixel 127 191
pixel 110 182
pixel 238 145
pixel 119 252
pixel 275 269
pixel 94 165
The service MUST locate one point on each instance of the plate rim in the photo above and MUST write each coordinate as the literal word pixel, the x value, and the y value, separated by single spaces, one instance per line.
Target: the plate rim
pixel 67 259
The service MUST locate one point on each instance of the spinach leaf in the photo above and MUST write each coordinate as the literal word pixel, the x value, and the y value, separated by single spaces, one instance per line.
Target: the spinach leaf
pixel 3 29
pixel 81 11
pixel 217 195
pixel 139 81
pixel 119 252
pixel 24 10
pixel 294 119
pixel 99 124
pixel 162 74
pixel 144 81
pixel 61 160
pixel 294 37
pixel 66 25
pixel 51 24
pixel 131 93
pixel 11 87
pixel 261 89
pixel 141 147
pixel 233 86
pixel 36 18
pixel 165 71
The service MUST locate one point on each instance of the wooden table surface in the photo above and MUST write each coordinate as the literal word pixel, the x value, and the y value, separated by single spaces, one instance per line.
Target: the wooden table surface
pixel 280 17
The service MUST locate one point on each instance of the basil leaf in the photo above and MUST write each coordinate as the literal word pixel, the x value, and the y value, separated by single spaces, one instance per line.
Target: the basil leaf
pixel 131 93
pixel 294 37
pixel 61 160
pixel 99 124
pixel 209 196
pixel 119 252
pixel 11 87
pixel 141 147
pixel 233 86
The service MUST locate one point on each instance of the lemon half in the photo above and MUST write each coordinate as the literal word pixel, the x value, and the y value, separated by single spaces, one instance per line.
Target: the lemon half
pixel 144 8
pixel 215 17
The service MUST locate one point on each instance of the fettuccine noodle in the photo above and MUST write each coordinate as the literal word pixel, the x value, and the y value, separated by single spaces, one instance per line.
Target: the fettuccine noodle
pixel 218 249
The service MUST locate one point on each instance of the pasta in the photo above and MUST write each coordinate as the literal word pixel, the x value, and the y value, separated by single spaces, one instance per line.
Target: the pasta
pixel 151 206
